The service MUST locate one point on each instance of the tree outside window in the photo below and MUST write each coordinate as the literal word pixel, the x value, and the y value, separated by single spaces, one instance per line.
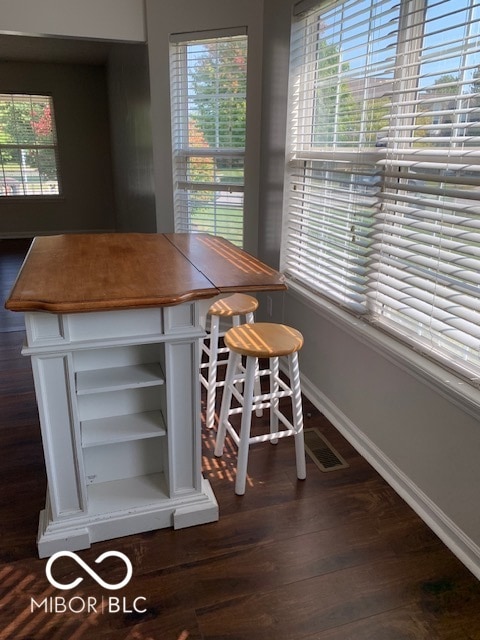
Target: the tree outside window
pixel 209 79
pixel 28 146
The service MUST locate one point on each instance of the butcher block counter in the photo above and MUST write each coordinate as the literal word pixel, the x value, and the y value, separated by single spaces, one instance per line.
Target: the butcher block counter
pixel 112 329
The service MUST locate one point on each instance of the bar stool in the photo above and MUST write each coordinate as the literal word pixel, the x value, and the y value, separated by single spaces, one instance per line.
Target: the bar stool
pixel 234 307
pixel 254 341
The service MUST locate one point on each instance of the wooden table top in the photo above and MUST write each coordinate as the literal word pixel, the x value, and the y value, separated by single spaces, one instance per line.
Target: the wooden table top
pixel 99 272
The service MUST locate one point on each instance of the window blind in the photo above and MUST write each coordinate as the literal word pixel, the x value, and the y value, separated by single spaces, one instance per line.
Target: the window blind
pixel 384 168
pixel 208 89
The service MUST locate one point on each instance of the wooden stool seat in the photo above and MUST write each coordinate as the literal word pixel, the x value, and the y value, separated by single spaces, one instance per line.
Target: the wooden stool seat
pixel 234 305
pixel 252 342
pixel 264 340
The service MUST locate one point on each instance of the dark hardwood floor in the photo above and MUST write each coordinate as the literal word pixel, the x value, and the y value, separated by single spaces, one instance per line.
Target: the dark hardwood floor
pixel 337 557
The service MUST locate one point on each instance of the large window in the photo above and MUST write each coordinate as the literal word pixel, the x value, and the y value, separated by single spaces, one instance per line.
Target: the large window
pixel 28 146
pixel 208 87
pixel 382 200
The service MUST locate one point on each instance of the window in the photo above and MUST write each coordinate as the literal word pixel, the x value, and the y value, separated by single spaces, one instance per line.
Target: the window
pixel 208 87
pixel 28 146
pixel 382 196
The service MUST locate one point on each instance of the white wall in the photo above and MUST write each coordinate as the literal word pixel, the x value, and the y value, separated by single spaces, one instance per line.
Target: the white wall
pixel 418 434
pixel 103 19
pixel 180 16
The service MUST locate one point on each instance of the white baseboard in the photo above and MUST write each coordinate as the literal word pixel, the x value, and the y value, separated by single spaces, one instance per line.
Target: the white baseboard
pixel 451 535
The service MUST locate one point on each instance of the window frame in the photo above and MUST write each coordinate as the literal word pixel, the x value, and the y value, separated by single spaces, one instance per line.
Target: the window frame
pixel 296 157
pixel 25 147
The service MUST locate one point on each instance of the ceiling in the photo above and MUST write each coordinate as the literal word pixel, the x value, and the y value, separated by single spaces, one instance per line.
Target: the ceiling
pixel 57 50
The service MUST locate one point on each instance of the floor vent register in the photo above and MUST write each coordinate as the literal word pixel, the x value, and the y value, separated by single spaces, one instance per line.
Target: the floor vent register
pixel 321 451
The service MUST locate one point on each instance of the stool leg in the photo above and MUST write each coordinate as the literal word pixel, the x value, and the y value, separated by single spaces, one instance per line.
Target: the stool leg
pixel 294 372
pixel 249 318
pixel 257 390
pixel 245 427
pixel 274 401
pixel 236 322
pixel 212 372
pixel 232 366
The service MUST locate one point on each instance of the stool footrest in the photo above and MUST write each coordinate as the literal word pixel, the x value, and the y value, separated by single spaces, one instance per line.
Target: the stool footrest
pixel 265 437
pixel 287 423
pixel 206 365
pixel 220 350
pixel 205 382
pixel 272 436
pixel 258 402
pixel 233 434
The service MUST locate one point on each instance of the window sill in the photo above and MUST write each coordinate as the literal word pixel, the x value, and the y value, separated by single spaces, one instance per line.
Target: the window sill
pixel 36 198
pixel 444 382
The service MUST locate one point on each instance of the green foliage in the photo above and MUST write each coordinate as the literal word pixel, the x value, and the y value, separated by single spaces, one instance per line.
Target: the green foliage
pixel 334 103
pixel 27 124
pixel 340 115
pixel 218 82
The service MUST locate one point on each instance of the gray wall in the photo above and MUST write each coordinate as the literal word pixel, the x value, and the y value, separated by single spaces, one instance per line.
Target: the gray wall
pixel 81 111
pixel 122 20
pixel 407 417
pixel 129 96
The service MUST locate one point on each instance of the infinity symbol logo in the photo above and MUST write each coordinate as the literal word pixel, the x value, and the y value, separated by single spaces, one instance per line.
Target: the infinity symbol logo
pixel 93 574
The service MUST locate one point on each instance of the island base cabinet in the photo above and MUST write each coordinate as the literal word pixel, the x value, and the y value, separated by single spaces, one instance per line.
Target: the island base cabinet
pixel 120 421
pixel 115 521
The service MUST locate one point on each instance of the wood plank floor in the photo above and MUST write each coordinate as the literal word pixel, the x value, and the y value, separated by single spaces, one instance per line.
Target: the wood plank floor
pixel 337 557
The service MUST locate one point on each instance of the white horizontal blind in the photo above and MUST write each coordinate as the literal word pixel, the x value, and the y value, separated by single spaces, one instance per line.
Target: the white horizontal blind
pixel 425 270
pixel 208 87
pixel 401 93
pixel 327 242
pixel 341 73
pixel 28 146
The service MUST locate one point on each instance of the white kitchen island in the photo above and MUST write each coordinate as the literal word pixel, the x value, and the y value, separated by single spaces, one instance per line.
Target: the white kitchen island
pixel 112 330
